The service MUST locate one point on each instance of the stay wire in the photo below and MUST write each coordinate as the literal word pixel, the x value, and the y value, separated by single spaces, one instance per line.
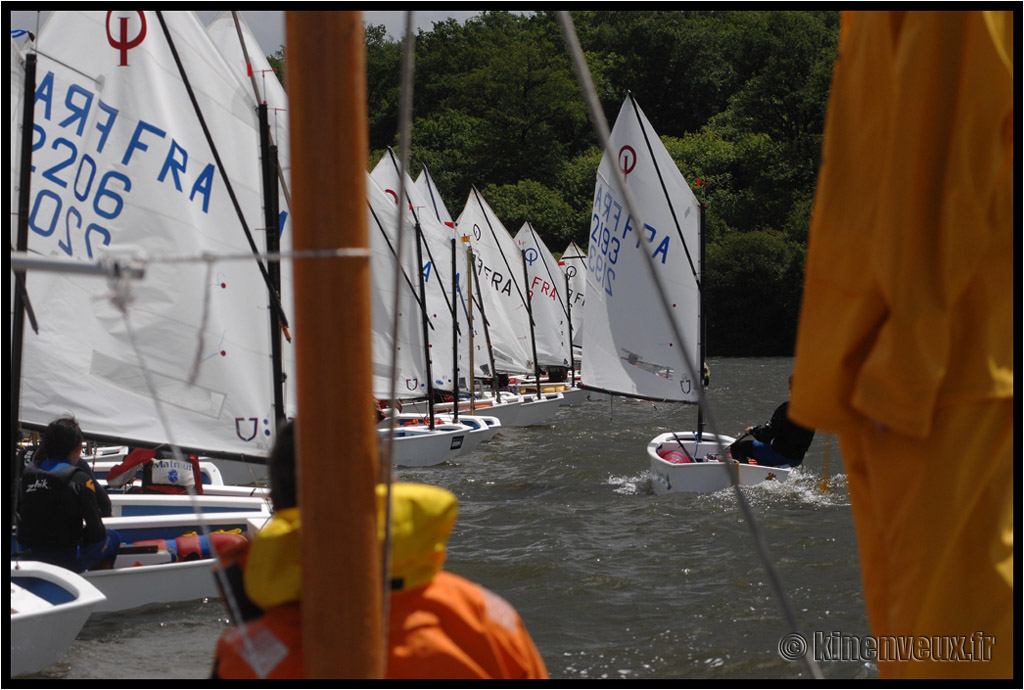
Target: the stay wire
pixel 120 297
pixel 604 139
pixel 405 128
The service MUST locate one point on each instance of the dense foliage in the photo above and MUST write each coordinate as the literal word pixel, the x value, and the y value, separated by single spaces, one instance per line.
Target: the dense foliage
pixel 738 97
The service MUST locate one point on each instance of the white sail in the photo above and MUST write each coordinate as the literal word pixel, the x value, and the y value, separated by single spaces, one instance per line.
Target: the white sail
pixel 428 190
pixel 628 345
pixel 410 373
pixel 481 363
pixel 499 280
pixel 547 299
pixel 436 267
pixel 123 168
pixel 260 83
pixel 574 264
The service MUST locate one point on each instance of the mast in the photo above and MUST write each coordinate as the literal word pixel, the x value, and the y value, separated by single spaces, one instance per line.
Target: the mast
pixel 529 313
pixel 271 221
pixel 568 314
pixel 342 604
pixel 20 293
pixel 455 337
pixel 702 325
pixel 424 322
pixel 469 327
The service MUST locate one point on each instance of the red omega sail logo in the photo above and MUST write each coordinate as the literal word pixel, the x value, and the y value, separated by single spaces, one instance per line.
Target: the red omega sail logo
pixel 627 159
pixel 123 43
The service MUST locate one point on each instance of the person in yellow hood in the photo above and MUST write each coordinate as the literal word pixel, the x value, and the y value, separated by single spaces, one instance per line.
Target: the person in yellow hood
pixel 906 339
pixel 439 624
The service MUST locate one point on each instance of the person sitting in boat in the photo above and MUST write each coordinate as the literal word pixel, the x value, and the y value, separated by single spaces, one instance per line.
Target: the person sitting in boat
pixel 58 517
pixel 440 625
pixel 38 454
pixel 778 443
pixel 162 472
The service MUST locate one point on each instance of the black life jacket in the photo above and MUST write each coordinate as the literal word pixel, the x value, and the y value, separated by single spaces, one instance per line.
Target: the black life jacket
pixel 49 506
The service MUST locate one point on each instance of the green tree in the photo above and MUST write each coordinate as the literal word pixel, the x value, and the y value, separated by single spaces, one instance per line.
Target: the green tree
pixel 752 283
pixel 530 201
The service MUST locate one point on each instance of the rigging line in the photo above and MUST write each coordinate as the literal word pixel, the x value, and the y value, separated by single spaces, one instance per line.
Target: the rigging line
pixel 220 165
pixel 512 276
pixel 604 137
pixel 419 231
pixel 547 268
pixel 121 299
pixel 664 191
pixel 256 92
pixel 136 265
pixel 434 195
pixel 394 253
pixel 405 119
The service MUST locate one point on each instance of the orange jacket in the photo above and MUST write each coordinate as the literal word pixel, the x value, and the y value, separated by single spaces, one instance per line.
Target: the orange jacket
pixel 449 628
pixel 453 628
pixel 440 625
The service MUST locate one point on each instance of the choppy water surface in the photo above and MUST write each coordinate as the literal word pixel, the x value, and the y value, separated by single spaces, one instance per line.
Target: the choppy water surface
pixel 612 580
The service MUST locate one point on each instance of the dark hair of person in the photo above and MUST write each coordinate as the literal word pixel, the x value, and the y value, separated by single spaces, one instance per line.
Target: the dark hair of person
pixel 61 437
pixel 282 468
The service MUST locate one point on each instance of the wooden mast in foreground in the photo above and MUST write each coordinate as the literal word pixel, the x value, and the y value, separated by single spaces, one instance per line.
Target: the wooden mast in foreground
pixel 336 438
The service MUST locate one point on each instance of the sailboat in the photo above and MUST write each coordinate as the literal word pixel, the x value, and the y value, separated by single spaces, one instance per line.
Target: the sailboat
pixel 465 324
pixel 505 308
pixel 122 174
pixel 415 444
pixel 629 347
pixel 574 264
pixel 547 290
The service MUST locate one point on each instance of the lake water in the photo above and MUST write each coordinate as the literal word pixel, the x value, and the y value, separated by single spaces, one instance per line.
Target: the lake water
pixel 612 580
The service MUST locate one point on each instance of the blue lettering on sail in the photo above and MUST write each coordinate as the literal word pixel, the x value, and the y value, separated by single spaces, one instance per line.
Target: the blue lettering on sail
pixel 610 225
pixel 82 189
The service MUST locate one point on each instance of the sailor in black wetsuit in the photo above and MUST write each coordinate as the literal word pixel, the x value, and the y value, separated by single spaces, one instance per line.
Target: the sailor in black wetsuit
pixel 779 442
pixel 59 514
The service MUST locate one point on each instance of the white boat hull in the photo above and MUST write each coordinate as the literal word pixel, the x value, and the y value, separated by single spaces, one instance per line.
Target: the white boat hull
pixel 49 606
pixel 136 505
pixel 710 475
pixel 128 586
pixel 484 427
pixel 423 447
pixel 477 429
pixel 542 411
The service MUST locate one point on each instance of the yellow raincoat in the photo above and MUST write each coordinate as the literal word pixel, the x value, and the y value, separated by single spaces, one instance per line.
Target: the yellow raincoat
pixel 906 337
